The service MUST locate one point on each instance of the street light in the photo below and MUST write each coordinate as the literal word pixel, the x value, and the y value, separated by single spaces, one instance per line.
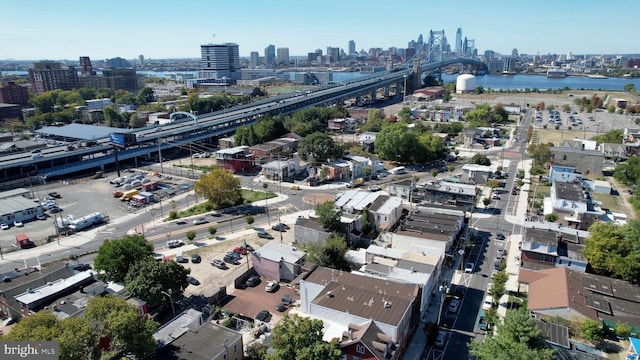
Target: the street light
pixel 173 309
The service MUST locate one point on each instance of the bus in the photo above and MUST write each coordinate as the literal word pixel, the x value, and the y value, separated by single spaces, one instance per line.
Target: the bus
pixel 398 171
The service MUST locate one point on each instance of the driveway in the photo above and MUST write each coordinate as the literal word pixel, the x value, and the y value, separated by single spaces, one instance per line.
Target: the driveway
pixel 250 301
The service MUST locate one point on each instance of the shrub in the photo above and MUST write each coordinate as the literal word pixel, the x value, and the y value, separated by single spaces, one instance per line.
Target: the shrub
pixel 551 217
pixel 191 234
pixel 250 219
pixel 213 230
pixel 173 215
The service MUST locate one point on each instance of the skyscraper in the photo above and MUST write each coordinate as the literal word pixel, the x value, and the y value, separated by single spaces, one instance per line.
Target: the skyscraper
pixel 141 58
pixel 458 48
pixel 254 59
pixel 282 56
pixel 352 47
pixel 270 55
pixel 220 61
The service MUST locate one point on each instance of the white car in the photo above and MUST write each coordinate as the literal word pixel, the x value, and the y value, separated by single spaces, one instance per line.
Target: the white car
pixel 4 226
pixel 487 303
pixel 271 286
pixel 18 223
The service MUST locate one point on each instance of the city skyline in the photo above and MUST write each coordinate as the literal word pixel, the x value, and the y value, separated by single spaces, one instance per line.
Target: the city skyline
pixel 58 31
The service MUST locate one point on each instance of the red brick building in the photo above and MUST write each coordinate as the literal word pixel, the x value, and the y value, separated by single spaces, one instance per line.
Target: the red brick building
pixel 236 159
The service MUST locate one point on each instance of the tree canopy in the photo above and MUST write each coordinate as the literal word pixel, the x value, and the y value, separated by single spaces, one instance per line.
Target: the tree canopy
pixel 220 187
pixel 397 142
pixel 148 278
pixel 332 254
pixel 484 115
pixel 300 338
pixel 328 216
pixel 517 338
pixel 614 136
pixel 614 250
pixel 320 147
pixel 480 159
pixel 109 317
pixel 115 257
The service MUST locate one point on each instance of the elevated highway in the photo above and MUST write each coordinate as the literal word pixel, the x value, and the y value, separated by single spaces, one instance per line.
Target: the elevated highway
pixel 60 160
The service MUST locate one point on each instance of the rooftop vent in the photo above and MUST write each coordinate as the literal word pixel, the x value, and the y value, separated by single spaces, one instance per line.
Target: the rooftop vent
pixel 329 294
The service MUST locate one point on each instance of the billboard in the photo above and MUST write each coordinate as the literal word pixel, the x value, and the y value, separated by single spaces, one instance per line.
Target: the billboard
pixel 122 140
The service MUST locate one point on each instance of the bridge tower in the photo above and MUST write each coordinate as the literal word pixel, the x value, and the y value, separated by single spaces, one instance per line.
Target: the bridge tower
pixel 437 43
pixel 416 76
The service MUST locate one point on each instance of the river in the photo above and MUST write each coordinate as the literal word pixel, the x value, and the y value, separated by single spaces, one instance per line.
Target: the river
pixel 495 82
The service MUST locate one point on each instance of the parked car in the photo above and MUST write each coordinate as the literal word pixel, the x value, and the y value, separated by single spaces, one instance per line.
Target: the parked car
pixel 286 298
pixel 196 259
pixel 263 316
pixel 280 227
pixel 501 251
pixel 41 217
pixel 193 281
pixel 271 286
pixel 264 235
pixel 487 303
pixel 200 221
pixel 240 250
pixel 54 195
pixel 469 267
pixel 18 223
pixel 281 307
pixel 219 264
pixel 54 210
pixel 253 281
pixel 482 322
pixel 500 236
pixel 231 259
pixel 454 304
pixel 441 339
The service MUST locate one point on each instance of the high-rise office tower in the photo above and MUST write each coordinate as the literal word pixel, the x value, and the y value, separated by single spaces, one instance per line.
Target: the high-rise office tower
pixel 514 53
pixel 334 53
pixel 254 59
pixel 352 47
pixel 220 61
pixel 141 58
pixel 48 75
pixel 458 48
pixel 282 56
pixel 270 55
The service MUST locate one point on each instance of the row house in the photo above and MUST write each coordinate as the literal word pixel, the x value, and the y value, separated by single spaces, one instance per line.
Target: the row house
pixel 346 125
pixel 573 204
pixel 545 248
pixel 345 299
pixel 236 159
pixel 448 193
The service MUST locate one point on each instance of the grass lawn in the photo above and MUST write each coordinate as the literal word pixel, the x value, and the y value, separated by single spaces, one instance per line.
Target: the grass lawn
pixel 608 202
pixel 541 191
pixel 248 196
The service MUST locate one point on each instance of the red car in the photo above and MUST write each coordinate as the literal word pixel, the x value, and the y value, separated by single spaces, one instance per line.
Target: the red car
pixel 240 250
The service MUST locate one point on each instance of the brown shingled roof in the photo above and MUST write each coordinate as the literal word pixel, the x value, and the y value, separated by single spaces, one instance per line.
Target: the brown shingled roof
pixel 551 291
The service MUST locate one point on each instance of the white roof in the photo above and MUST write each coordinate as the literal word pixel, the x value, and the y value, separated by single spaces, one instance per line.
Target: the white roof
pixel 178 326
pixel 276 251
pixel 601 183
pixel 392 203
pixel 233 150
pixel 384 251
pixel 53 288
pixel 355 199
pixel 476 167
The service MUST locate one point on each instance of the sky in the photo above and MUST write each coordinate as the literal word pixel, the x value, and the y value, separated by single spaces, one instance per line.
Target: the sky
pixel 57 30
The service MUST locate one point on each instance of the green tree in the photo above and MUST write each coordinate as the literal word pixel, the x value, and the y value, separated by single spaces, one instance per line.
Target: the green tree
pixel 518 338
pixel 480 160
pixel 592 331
pixel 212 230
pixel 493 183
pixel 331 254
pixel 147 279
pixel 629 171
pixel 614 250
pixel 499 285
pixel 405 114
pixel 319 147
pixel 220 187
pixel 614 136
pixel 328 216
pixel 115 257
pixel 296 338
pixel 486 202
pixel 190 234
pixel 397 143
pixel 250 219
pixel 118 321
pixel 256 351
pixel 146 95
pixel 434 172
pixel 553 217
pixel 451 168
